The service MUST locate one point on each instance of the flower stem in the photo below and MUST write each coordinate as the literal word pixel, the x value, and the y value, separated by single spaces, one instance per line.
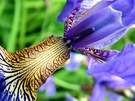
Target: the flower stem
pixel 15 26
pixel 22 38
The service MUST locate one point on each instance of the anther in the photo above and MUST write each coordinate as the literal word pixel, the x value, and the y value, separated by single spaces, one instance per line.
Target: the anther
pixel 84 34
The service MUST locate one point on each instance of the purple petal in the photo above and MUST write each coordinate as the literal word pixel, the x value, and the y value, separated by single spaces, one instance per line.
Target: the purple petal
pixel 49 86
pixel 111 17
pixel 110 39
pixel 95 7
pixel 102 54
pixel 123 67
pixel 125 6
pixel 72 4
pixel 92 62
pixel 70 98
pixel 69 6
pixel 127 50
pixel 2 85
pixel 112 81
pixel 130 18
pixel 98 93
pixel 104 27
pixel 114 97
pixel 75 60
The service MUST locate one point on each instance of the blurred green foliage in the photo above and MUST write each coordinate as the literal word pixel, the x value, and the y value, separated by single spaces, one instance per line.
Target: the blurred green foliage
pixel 24 23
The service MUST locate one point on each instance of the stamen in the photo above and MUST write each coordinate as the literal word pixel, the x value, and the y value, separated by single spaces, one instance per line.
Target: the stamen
pixel 84 33
pixel 67 42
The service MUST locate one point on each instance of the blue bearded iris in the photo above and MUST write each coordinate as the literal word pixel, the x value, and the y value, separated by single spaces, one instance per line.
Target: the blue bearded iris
pixel 89 24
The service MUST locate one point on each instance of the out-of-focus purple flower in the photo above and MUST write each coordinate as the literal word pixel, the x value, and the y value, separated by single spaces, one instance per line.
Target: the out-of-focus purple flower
pixel 75 61
pixel 122 65
pixel 70 98
pixel 107 81
pixel 96 23
pixel 115 70
pixel 49 86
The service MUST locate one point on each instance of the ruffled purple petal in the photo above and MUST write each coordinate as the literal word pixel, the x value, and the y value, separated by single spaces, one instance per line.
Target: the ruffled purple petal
pixel 129 49
pixel 95 6
pixel 128 10
pixel 128 20
pixel 125 6
pixel 69 6
pixel 72 4
pixel 123 67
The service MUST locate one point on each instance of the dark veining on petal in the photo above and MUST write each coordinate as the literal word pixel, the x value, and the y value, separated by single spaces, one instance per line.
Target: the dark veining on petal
pixel 23 72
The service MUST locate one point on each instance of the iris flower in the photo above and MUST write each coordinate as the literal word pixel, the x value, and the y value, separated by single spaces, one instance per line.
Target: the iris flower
pixel 105 82
pixel 107 85
pixel 87 24
pixel 122 65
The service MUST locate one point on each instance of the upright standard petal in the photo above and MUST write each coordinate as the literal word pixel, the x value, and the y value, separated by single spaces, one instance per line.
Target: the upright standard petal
pixel 96 7
pixel 125 6
pixel 99 23
pixel 103 27
pixel 72 4
pixel 69 6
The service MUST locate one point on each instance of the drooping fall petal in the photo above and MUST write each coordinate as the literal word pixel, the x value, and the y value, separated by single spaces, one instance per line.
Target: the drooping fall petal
pixel 23 72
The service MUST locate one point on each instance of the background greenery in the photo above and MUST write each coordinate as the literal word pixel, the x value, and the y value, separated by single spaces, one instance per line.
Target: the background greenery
pixel 24 23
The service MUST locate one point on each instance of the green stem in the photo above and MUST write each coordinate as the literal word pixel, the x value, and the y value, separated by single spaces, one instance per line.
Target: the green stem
pixel 32 3
pixel 22 39
pixel 66 84
pixel 2 6
pixel 15 26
